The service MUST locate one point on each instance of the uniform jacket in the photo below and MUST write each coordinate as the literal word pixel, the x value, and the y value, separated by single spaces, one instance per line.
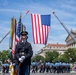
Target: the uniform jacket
pixel 27 49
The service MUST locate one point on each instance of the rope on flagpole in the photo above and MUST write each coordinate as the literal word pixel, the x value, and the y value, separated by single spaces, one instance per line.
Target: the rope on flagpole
pixel 65 28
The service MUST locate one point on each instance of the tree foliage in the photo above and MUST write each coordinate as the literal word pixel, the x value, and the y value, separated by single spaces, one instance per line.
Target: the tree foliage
pixel 50 56
pixel 38 58
pixel 68 56
pixel 71 54
pixel 4 55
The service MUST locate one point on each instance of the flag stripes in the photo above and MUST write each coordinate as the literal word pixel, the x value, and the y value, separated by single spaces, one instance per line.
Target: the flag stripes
pixel 39 31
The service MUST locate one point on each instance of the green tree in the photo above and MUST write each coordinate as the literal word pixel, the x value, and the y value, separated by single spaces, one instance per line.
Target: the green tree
pixel 50 56
pixel 63 58
pixel 69 55
pixel 4 55
pixel 38 58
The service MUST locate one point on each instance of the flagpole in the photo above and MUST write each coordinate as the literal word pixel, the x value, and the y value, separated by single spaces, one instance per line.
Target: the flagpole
pixel 4 37
pixel 65 28
pixel 25 14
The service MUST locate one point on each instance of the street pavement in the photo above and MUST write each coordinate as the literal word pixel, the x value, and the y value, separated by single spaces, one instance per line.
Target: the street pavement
pixel 72 73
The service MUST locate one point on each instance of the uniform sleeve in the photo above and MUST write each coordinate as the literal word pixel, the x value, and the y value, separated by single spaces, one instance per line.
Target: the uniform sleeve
pixel 30 52
pixel 16 52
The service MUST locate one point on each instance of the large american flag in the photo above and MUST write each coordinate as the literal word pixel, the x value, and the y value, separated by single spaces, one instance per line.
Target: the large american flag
pixel 40 28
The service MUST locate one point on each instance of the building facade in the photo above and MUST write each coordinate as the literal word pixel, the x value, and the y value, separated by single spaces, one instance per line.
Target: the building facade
pixel 61 48
pixel 69 40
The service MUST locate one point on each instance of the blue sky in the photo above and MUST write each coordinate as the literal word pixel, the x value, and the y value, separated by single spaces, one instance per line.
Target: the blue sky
pixel 64 9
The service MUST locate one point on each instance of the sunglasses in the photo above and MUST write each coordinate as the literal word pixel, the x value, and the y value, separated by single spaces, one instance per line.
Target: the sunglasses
pixel 23 35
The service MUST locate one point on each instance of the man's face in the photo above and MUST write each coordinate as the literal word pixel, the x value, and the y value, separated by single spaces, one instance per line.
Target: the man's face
pixel 23 36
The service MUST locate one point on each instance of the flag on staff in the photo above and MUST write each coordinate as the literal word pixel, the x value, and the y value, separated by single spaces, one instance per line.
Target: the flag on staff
pixel 18 28
pixel 40 28
pixel 13 33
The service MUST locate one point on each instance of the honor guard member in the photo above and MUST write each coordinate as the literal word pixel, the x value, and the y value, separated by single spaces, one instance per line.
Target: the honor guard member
pixel 23 54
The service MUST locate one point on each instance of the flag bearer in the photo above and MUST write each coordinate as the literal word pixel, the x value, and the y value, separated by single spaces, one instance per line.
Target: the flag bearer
pixel 23 54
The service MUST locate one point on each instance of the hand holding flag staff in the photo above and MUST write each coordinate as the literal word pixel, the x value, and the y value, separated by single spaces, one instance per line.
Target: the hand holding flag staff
pixel 65 28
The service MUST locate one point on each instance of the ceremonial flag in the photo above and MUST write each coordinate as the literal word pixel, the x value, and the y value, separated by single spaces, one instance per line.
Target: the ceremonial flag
pixel 40 28
pixel 13 34
pixel 18 28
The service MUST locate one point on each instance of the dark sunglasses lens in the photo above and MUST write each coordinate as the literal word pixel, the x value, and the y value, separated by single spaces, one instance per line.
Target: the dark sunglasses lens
pixel 23 35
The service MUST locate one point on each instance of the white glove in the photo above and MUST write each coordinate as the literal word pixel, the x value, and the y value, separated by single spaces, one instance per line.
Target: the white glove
pixel 13 64
pixel 20 59
pixel 23 57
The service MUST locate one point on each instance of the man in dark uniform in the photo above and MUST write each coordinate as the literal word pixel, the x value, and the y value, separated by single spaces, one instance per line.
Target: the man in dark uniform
pixel 23 54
